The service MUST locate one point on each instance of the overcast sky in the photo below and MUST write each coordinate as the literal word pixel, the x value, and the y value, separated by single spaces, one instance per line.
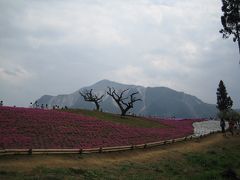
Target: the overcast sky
pixel 56 47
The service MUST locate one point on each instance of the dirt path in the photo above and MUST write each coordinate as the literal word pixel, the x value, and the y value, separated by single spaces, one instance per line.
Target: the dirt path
pixel 27 163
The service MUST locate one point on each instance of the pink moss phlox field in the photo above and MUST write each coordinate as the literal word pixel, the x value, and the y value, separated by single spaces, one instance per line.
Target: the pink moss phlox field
pixel 46 129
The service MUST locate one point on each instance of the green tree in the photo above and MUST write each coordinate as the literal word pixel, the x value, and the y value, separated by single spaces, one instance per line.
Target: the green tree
pixel 230 114
pixel 224 102
pixel 231 20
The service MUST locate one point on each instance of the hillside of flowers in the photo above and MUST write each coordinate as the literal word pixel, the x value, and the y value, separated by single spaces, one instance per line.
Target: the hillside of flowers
pixel 38 128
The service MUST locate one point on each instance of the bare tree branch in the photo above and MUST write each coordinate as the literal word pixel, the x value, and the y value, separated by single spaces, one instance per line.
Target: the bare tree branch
pixel 89 96
pixel 124 103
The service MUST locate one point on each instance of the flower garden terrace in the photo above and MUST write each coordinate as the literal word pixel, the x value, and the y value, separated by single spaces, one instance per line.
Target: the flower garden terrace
pixel 52 129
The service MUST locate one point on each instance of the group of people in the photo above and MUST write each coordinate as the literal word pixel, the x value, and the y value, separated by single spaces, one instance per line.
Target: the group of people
pixel 233 126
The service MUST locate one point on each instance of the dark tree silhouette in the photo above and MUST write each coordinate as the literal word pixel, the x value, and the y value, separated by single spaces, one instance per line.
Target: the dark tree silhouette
pixel 125 103
pixel 88 95
pixel 224 102
pixel 231 20
pixel 35 104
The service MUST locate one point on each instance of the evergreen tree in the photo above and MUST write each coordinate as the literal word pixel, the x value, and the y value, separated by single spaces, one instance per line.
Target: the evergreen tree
pixel 231 20
pixel 224 102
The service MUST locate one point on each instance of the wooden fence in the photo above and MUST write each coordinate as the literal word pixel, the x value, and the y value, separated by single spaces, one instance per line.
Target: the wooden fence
pixel 98 150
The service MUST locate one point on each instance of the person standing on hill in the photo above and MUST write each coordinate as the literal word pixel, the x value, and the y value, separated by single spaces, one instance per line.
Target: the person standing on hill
pixel 238 128
pixel 231 126
pixel 222 124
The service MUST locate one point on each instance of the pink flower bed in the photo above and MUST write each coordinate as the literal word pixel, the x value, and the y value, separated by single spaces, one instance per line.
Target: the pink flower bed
pixel 36 128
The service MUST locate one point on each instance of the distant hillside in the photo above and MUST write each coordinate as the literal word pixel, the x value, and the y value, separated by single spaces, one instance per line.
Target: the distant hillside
pixel 157 101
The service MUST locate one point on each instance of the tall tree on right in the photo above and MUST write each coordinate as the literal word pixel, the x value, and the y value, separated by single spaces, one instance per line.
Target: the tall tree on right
pixel 224 102
pixel 231 20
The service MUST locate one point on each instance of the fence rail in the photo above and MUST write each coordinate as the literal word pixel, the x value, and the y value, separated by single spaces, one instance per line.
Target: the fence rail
pixel 100 149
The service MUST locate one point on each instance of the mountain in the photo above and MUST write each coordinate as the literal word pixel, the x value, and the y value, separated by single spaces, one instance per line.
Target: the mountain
pixel 156 101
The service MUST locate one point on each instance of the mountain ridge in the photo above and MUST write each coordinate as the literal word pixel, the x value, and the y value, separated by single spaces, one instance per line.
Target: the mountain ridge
pixel 156 101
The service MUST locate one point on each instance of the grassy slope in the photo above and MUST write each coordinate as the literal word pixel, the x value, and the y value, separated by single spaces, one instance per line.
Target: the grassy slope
pixel 127 120
pixel 209 158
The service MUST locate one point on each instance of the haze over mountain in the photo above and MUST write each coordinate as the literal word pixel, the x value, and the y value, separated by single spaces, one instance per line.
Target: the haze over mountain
pixel 156 101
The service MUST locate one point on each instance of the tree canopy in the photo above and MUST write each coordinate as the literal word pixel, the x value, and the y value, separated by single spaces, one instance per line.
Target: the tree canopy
pixel 229 115
pixel 231 20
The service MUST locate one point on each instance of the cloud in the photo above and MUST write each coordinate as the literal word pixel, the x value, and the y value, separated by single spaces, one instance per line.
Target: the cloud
pixel 56 47
pixel 128 74
pixel 73 22
pixel 15 76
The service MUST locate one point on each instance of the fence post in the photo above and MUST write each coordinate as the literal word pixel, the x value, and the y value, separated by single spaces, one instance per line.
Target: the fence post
pixel 132 147
pixel 30 151
pixel 80 151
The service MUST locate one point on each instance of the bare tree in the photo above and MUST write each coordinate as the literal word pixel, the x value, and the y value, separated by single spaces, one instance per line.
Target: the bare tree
pixel 125 103
pixel 35 104
pixel 88 95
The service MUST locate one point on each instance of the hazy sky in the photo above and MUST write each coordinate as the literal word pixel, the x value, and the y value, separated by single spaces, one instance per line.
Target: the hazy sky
pixel 56 47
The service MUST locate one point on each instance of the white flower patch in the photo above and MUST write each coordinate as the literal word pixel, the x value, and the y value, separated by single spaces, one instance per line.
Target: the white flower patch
pixel 206 127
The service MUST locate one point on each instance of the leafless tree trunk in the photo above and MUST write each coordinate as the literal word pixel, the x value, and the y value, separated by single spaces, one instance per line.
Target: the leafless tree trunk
pixel 88 95
pixel 124 103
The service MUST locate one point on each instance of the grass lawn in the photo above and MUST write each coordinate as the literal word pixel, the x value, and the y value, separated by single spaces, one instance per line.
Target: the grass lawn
pixel 213 157
pixel 115 118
